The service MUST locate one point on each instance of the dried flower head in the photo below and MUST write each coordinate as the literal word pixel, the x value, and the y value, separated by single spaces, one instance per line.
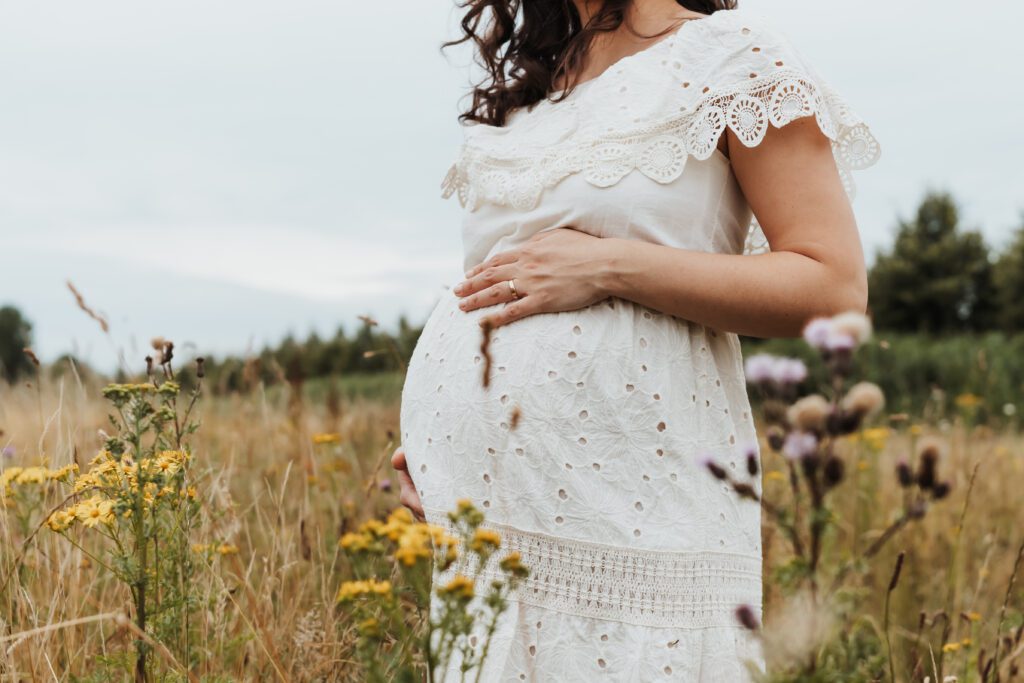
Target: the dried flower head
pixel 809 413
pixel 864 399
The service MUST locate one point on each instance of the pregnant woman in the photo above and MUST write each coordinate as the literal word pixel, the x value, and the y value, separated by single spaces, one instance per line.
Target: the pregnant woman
pixel 613 165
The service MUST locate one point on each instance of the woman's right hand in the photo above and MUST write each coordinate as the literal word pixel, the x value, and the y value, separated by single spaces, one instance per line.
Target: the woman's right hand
pixel 407 495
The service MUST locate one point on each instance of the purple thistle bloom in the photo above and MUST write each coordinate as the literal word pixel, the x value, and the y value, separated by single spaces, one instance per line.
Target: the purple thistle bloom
pixel 385 485
pixel 8 451
pixel 799 445
pixel 817 332
pixel 840 341
pixel 759 367
pixel 789 371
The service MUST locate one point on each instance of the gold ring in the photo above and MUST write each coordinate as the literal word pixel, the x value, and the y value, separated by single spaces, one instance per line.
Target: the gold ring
pixel 512 286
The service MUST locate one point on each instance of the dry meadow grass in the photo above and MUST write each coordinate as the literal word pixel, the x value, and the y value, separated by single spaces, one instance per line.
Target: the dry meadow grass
pixel 275 504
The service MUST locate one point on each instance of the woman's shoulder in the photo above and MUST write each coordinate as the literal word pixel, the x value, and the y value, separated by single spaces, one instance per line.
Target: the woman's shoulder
pixel 738 45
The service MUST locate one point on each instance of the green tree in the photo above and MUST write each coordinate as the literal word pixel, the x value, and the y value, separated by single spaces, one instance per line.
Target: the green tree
pixel 1009 283
pixel 937 278
pixel 15 337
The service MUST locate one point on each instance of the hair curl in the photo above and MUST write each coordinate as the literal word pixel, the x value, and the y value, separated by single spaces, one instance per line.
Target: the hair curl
pixel 523 59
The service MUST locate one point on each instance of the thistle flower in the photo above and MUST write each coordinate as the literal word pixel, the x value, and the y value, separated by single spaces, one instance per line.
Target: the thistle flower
pixel 864 399
pixel 708 461
pixel 789 371
pixel 834 470
pixel 903 474
pixel 799 445
pixel 817 331
pixel 750 451
pixel 745 615
pixel 855 325
pixel 809 413
pixel 759 368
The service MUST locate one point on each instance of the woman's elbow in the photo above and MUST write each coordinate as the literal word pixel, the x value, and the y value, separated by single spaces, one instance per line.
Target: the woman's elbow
pixel 850 294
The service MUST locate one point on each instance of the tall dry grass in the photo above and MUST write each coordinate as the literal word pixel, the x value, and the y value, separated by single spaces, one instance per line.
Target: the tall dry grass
pixel 277 503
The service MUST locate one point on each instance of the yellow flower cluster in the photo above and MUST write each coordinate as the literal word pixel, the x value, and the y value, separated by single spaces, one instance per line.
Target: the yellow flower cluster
pixel 954 646
pixel 513 564
pixel 875 437
pixel 459 587
pixel 414 540
pixel 107 477
pixel 219 548
pixel 969 400
pixel 350 590
pixel 332 437
pixel 484 540
pixel 32 475
pixel 106 472
pixel 90 512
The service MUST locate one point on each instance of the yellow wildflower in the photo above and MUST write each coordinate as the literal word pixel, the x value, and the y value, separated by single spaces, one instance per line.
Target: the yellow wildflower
pixel 326 438
pixel 974 616
pixel 461 587
pixel 951 647
pixel 350 590
pixel 95 510
pixel 397 524
pixel 61 519
pixel 484 540
pixel 863 465
pixel 512 563
pixel 916 429
pixel 32 475
pixel 968 400
pixel 413 546
pixel 355 542
pixel 876 437
pixel 227 549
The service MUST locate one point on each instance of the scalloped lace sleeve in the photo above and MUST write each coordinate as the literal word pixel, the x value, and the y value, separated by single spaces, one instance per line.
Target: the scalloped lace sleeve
pixel 762 80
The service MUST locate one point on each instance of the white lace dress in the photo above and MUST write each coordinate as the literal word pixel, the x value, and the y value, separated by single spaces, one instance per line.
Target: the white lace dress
pixel 638 556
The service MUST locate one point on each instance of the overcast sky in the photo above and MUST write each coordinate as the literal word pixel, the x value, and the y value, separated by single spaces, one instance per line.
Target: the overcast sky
pixel 222 173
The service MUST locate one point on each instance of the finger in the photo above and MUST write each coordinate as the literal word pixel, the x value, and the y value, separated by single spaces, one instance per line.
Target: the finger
pixel 405 479
pixel 499 259
pixel 398 459
pixel 515 310
pixel 490 275
pixel 498 293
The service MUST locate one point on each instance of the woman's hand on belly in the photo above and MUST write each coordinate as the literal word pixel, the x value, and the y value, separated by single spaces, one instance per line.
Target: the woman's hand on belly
pixel 555 270
pixel 407 495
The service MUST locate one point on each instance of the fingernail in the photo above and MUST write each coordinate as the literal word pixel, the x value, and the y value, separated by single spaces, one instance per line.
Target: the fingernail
pixel 458 287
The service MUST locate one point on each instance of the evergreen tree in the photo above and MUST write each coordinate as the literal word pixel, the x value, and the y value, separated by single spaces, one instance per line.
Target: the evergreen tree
pixel 937 278
pixel 15 337
pixel 1009 283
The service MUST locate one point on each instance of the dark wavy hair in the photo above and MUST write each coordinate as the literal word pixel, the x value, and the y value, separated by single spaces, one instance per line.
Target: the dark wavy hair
pixel 525 46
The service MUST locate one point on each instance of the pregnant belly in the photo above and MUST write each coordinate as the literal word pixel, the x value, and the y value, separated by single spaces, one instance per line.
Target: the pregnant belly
pixel 591 426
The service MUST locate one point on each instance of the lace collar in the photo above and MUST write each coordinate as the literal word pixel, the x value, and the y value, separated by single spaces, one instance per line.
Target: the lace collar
pixel 652 110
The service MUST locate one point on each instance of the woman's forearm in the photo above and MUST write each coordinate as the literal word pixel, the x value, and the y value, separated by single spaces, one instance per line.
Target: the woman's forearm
pixel 763 295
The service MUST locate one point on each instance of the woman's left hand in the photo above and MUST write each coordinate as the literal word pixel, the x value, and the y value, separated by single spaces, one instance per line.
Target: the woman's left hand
pixel 555 270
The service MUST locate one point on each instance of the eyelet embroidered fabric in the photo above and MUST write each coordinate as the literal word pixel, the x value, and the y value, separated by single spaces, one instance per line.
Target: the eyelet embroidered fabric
pixel 585 449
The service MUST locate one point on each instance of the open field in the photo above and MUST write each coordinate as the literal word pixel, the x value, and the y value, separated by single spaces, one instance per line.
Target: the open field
pixel 272 505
